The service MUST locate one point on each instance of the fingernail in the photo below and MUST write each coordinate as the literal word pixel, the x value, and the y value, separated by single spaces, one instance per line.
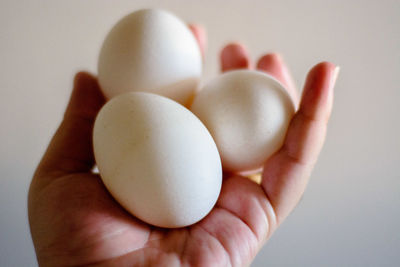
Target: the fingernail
pixel 334 76
pixel 333 82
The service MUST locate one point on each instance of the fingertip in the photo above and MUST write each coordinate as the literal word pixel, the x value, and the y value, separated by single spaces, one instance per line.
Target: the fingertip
pixel 268 60
pixel 322 69
pixel 273 64
pixel 234 56
pixel 200 34
pixel 327 72
pixel 322 76
pixel 87 97
pixel 84 76
pixel 318 90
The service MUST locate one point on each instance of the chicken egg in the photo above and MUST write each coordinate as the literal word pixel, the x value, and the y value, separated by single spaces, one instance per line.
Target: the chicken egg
pixel 248 113
pixel 157 159
pixel 150 50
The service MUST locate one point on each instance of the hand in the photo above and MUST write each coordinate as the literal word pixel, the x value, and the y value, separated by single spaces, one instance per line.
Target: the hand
pixel 75 221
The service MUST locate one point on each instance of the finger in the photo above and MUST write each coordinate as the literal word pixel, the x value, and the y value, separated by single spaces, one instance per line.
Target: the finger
pixel 200 34
pixel 241 220
pixel 234 56
pixel 286 174
pixel 274 65
pixel 70 149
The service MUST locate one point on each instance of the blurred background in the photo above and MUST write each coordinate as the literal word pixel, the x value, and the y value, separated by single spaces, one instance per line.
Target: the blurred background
pixel 350 213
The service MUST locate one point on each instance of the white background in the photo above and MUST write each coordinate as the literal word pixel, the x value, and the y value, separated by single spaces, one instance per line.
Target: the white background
pixel 350 214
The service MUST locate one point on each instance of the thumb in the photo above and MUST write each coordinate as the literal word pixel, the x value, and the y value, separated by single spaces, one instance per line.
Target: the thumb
pixel 70 149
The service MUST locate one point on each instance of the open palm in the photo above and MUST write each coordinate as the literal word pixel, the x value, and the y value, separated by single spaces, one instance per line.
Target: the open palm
pixel 75 221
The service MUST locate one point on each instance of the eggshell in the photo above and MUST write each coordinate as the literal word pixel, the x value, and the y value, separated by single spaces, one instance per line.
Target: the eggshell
pixel 247 113
pixel 157 159
pixel 150 50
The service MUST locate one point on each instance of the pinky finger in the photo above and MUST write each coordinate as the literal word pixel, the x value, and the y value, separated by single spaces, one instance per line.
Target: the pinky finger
pixel 274 65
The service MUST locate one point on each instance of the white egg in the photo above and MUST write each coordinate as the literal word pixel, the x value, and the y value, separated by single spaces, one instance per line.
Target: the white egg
pixel 247 113
pixel 150 50
pixel 157 159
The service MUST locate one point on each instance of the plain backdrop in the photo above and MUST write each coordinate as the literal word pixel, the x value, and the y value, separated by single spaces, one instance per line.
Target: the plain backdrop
pixel 350 213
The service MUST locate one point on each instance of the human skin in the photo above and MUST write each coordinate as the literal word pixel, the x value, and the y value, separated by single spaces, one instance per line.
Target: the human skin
pixel 74 221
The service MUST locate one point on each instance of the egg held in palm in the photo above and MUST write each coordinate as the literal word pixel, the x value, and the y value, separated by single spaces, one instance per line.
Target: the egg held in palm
pixel 247 113
pixel 157 159
pixel 150 50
